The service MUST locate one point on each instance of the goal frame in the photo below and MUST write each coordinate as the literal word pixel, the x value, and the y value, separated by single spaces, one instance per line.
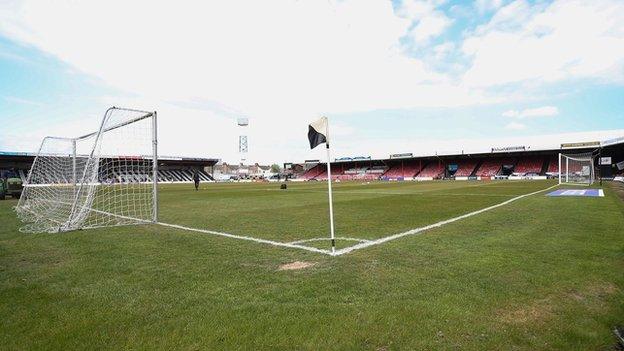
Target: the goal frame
pixel 568 157
pixel 80 181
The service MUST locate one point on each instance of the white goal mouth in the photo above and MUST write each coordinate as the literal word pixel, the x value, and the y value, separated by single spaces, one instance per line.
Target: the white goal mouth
pixel 576 169
pixel 105 178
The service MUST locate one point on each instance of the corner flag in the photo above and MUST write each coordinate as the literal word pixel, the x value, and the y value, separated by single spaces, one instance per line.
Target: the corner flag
pixel 317 132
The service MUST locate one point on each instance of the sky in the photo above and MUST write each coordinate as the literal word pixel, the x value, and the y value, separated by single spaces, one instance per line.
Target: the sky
pixel 391 76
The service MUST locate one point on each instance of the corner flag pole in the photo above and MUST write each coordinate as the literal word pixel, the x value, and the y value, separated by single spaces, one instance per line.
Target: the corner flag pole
pixel 318 133
pixel 329 186
pixel 331 207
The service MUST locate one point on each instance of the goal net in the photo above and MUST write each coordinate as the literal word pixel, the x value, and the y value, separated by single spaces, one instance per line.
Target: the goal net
pixel 576 168
pixel 106 178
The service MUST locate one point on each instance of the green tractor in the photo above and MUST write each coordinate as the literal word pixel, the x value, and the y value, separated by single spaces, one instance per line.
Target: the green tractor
pixel 10 184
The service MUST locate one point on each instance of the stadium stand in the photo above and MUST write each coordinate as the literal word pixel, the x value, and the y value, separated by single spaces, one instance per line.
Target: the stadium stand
pixel 314 172
pixel 492 166
pixel 322 175
pixel 573 167
pixel 525 163
pixel 341 170
pixel 354 171
pixel 434 169
pixel 404 169
pixel 350 174
pixel 528 165
pixel 378 170
pixel 553 166
pixel 465 168
pixel 171 169
pixel 178 175
pixel 184 175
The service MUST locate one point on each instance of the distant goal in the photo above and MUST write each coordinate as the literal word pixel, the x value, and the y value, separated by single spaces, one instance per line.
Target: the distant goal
pixel 102 179
pixel 576 169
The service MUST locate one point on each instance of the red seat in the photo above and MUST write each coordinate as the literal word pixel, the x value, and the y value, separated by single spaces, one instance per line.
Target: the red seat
pixel 529 165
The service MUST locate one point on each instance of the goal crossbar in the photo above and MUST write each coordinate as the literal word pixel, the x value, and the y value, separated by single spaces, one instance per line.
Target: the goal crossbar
pixel 119 125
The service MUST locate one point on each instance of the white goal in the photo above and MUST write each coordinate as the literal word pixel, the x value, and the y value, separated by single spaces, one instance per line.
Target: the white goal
pixel 105 178
pixel 576 169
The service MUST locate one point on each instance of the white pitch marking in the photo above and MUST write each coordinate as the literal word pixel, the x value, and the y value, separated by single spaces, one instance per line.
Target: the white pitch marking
pixel 249 238
pixel 431 226
pixel 573 192
pixel 275 243
pixel 323 239
pixel 364 243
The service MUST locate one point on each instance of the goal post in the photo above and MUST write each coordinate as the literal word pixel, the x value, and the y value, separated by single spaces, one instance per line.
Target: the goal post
pixel 576 169
pixel 101 179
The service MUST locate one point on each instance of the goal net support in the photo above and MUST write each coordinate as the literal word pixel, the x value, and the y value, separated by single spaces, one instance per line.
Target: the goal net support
pixel 576 169
pixel 102 179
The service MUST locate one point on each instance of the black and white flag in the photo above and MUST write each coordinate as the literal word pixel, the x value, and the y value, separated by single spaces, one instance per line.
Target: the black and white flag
pixel 317 132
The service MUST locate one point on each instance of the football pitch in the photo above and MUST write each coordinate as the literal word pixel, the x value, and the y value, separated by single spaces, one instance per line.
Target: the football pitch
pixel 365 212
pixel 441 265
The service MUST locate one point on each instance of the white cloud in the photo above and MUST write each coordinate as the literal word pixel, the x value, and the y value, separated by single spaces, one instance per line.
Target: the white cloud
pixel 255 57
pixel 430 27
pixel 443 49
pixel 428 21
pixel 515 126
pixel 415 9
pixel 544 111
pixel 283 63
pixel 488 5
pixel 567 39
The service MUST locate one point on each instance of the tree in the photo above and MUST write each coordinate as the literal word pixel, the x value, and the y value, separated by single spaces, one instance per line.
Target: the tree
pixel 275 168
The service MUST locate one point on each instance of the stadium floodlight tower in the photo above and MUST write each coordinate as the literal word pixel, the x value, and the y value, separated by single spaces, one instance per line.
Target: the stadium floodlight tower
pixel 576 168
pixel 243 146
pixel 101 179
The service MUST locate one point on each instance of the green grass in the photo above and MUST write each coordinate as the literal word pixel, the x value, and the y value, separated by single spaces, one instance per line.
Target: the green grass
pixel 541 273
pixel 362 210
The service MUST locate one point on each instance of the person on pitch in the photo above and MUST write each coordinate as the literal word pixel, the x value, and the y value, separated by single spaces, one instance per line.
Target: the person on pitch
pixel 196 179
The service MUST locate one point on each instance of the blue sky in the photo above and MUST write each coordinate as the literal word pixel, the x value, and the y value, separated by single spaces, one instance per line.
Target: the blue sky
pixel 33 83
pixel 401 76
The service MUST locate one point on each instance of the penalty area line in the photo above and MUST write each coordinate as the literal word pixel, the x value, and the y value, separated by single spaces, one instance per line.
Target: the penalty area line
pixel 432 226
